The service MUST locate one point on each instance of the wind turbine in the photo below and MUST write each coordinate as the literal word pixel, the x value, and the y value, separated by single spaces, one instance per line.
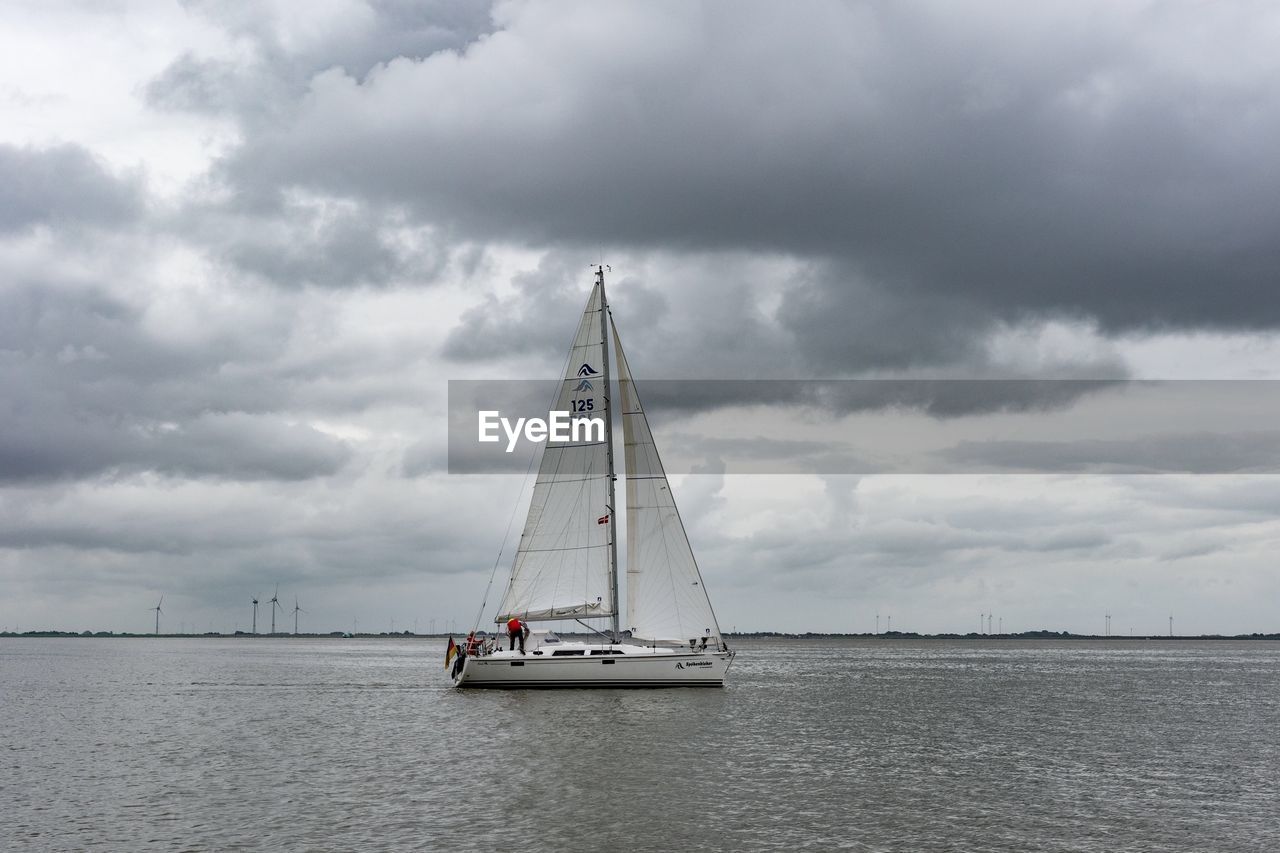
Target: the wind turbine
pixel 296 611
pixel 275 604
pixel 255 614
pixel 158 612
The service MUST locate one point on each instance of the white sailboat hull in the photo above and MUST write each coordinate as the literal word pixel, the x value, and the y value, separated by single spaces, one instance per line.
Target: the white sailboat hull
pixel 636 667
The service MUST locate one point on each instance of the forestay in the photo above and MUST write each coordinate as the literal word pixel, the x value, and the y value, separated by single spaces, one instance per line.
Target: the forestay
pixel 666 598
pixel 562 567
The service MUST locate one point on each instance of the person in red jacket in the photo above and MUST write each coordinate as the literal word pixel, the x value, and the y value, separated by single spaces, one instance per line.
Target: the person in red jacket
pixel 516 630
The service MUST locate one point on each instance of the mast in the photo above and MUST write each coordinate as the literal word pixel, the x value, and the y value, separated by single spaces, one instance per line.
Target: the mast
pixel 610 498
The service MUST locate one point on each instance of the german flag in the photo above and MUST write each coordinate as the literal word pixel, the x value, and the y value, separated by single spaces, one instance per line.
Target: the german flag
pixel 450 652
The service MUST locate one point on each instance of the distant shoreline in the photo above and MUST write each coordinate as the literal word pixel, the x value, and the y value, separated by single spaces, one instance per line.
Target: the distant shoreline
pixel 753 635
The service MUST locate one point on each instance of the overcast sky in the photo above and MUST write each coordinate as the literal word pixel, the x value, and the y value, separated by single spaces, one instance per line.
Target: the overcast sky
pixel 244 247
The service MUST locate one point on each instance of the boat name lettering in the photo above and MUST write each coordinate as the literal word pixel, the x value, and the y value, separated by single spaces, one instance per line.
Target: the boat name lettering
pixel 680 665
pixel 559 426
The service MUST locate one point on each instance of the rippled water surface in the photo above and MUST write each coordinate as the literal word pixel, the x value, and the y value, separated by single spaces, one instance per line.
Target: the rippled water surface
pixel 206 744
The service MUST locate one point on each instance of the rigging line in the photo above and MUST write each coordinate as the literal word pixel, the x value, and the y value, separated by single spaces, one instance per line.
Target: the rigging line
pixel 592 627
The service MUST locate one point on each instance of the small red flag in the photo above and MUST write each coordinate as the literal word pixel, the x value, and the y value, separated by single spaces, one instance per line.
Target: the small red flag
pixel 604 519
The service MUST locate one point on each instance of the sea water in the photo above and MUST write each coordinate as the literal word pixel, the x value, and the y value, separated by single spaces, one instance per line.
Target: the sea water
pixel 331 744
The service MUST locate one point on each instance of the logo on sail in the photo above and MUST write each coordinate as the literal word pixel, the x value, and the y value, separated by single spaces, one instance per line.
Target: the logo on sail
pixel 584 385
pixel 587 370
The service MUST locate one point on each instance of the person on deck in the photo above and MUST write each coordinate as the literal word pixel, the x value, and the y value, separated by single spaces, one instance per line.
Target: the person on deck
pixel 516 630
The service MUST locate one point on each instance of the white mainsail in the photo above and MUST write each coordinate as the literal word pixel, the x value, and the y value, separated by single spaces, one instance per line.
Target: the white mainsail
pixel 666 598
pixel 562 567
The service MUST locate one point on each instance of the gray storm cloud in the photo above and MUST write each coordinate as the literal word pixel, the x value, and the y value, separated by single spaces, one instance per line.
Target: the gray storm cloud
pixel 947 164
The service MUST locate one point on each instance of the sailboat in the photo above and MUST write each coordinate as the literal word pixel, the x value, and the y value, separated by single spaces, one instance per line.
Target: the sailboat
pixel 565 570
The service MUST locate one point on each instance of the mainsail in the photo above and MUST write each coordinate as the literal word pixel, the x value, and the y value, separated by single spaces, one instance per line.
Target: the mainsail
pixel 562 568
pixel 666 598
